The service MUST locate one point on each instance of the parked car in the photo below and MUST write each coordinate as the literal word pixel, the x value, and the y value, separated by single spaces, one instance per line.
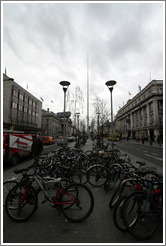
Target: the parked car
pixel 71 139
pixel 48 140
pixel 60 140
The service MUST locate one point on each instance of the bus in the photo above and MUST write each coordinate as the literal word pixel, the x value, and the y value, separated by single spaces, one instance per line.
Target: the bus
pixel 116 135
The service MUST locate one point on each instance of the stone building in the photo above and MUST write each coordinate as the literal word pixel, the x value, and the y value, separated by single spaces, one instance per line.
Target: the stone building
pixel 21 110
pixel 52 125
pixel 143 114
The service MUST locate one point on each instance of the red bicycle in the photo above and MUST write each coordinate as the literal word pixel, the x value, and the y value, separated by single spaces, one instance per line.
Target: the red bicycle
pixel 76 201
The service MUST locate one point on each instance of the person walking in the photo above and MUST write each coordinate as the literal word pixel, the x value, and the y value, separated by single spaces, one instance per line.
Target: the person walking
pixel 143 139
pixel 159 140
pixel 36 148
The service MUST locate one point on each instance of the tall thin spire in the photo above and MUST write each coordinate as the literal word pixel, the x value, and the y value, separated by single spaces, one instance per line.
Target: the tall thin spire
pixel 150 76
pixel 87 94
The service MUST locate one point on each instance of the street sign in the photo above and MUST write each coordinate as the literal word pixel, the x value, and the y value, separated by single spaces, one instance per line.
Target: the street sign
pixel 61 114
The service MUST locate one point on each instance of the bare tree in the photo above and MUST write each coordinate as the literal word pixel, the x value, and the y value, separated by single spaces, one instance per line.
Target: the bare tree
pixel 100 106
pixel 76 101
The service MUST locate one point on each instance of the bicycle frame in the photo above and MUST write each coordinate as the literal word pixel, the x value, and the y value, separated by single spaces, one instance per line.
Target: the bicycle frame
pixel 56 202
pixel 50 181
pixel 154 192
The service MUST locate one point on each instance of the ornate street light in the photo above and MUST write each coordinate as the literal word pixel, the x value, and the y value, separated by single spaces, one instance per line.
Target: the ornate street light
pixel 78 115
pixel 65 85
pixel 110 85
pixel 98 139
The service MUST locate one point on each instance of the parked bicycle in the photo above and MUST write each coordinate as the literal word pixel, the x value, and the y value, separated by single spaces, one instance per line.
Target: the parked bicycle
pixel 76 201
pixel 142 210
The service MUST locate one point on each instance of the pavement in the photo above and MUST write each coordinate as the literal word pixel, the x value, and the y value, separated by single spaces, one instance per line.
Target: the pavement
pixel 147 143
pixel 47 226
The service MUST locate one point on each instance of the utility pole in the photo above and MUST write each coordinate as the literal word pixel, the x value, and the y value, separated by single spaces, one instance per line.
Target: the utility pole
pixel 88 95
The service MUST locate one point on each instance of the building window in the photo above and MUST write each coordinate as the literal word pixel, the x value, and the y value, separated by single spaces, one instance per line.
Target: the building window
pixel 30 102
pixel 33 113
pixel 29 111
pixel 36 114
pixel 25 110
pixel 14 105
pixel 20 96
pixel 151 107
pixel 15 93
pixel 37 106
pixel 151 120
pixel 160 90
pixel 20 107
pixel 25 99
pixel 34 104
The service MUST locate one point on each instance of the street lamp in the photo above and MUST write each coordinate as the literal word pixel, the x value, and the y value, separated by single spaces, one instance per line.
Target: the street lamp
pixel 98 140
pixel 65 85
pixel 110 85
pixel 78 115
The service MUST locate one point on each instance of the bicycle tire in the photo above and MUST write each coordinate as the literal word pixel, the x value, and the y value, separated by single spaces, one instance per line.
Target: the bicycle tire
pixel 114 198
pixel 76 176
pixel 118 194
pixel 97 175
pixel 146 222
pixel 82 202
pixel 118 214
pixel 21 211
pixel 113 177
pixel 7 186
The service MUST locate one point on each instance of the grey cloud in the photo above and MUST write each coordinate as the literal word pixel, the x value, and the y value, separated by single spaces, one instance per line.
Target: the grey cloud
pixel 124 41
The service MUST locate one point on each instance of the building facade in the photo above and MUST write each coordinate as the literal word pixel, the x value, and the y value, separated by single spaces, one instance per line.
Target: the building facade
pixel 21 110
pixel 52 125
pixel 143 114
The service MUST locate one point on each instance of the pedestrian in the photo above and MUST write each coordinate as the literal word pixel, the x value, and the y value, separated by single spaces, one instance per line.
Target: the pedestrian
pixel 36 148
pixel 143 139
pixel 159 140
pixel 150 141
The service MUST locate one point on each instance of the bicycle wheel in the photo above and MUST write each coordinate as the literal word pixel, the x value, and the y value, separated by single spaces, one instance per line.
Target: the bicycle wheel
pixel 114 198
pixel 140 215
pixel 118 214
pixel 118 192
pixel 113 177
pixel 76 176
pixel 21 203
pixel 77 202
pixel 84 176
pixel 97 175
pixel 7 186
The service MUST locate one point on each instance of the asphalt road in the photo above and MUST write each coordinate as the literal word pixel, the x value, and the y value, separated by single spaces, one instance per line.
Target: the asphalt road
pixel 153 155
pixel 46 226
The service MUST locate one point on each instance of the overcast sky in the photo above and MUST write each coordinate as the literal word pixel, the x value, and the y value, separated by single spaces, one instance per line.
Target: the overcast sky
pixel 47 42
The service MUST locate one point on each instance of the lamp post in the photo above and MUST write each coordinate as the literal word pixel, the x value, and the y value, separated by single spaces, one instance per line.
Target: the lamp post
pixel 110 85
pixel 65 85
pixel 78 115
pixel 98 140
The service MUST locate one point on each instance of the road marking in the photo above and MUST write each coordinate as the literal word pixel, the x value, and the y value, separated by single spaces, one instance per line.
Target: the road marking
pixel 145 151
pixel 155 157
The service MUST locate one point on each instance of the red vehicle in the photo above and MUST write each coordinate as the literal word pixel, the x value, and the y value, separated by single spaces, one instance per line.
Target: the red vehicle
pixel 15 146
pixel 48 140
